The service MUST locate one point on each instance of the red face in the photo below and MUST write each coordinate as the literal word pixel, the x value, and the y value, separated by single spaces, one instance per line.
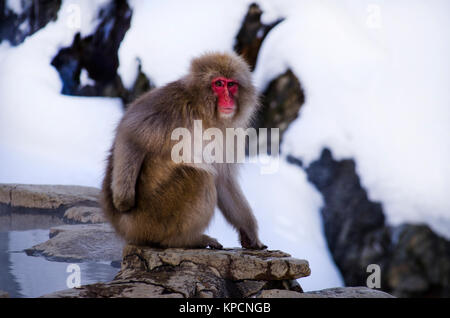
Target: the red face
pixel 226 90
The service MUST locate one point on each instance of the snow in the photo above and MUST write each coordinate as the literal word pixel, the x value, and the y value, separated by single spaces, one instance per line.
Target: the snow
pixel 85 80
pixel 374 75
pixel 166 35
pixel 46 137
pixel 15 6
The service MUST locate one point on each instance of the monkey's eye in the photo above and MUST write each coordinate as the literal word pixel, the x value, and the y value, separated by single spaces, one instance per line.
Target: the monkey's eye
pixel 219 83
pixel 231 84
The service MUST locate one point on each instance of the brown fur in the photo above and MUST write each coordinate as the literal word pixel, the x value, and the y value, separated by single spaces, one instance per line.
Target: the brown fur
pixel 147 197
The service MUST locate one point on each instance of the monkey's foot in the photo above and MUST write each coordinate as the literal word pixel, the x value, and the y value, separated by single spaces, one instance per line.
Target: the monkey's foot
pixel 246 242
pixel 207 241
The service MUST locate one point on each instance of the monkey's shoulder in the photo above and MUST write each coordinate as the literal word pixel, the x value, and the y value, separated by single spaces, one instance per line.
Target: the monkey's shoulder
pixel 158 111
pixel 165 98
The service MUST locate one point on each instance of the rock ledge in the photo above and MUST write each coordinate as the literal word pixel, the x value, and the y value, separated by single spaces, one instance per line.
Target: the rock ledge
pixel 151 272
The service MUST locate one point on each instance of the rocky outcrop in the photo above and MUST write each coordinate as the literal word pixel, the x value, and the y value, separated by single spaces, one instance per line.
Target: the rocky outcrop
pixel 231 264
pixel 281 102
pixel 28 18
pixel 413 260
pixel 341 292
pixel 3 294
pixel 150 272
pixel 47 196
pixel 205 273
pixel 97 56
pixel 252 34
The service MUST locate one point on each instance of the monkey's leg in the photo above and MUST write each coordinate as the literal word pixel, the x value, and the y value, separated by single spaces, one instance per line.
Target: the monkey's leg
pixel 237 212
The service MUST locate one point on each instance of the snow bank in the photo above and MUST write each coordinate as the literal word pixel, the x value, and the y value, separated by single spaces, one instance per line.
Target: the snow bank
pixel 166 35
pixel 376 78
pixel 46 137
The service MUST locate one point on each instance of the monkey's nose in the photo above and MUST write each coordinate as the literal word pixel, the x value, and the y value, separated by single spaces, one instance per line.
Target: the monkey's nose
pixel 228 95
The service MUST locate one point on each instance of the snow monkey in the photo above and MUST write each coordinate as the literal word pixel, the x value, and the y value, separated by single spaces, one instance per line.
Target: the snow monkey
pixel 152 200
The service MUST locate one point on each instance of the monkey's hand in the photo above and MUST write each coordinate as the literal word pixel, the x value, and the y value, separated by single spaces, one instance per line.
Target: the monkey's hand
pixel 123 200
pixel 250 242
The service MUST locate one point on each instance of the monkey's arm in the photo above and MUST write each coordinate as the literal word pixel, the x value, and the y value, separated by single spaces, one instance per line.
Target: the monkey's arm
pixel 140 135
pixel 128 159
pixel 236 210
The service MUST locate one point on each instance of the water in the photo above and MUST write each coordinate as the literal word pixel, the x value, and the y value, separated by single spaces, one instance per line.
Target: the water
pixel 29 276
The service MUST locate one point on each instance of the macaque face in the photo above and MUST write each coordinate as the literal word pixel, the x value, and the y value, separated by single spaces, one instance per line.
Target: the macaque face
pixel 226 90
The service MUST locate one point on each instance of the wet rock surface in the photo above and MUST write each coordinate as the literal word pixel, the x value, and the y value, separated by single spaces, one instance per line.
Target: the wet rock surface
pixel 3 294
pixel 80 243
pixel 25 206
pixel 413 260
pixel 341 292
pixel 348 292
pixel 35 196
pixel 115 289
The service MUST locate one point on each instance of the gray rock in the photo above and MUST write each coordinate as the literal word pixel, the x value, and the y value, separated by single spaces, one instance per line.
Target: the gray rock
pixel 80 243
pixel 279 293
pixel 341 292
pixel 24 207
pixel 3 294
pixel 115 289
pixel 233 264
pixel 348 292
pixel 414 261
pixel 150 272
pixel 281 103
pixel 47 196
